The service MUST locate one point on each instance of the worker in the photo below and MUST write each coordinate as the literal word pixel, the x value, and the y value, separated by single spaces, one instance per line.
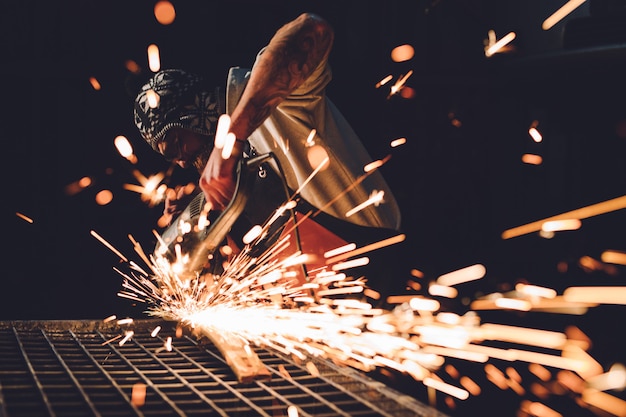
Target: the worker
pixel 277 107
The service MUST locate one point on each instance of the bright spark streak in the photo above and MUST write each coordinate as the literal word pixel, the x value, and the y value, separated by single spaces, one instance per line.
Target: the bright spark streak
pixel 604 401
pixel 535 291
pixel 108 245
pixel 397 142
pixel 110 318
pixel 384 81
pixel 456 392
pixel 513 304
pixel 373 165
pixel 127 336
pixel 153 99
pixel 399 83
pixel 613 257
pixel 123 146
pixel 111 340
pixel 24 217
pixel 340 250
pixel 229 144
pixel 442 291
pixel 560 225
pixel 535 134
pixel 521 335
pixel 309 140
pixel 581 213
pixel 223 126
pixel 321 166
pixel 560 14
pixel 375 198
pixel 368 248
pixel 154 60
pixel 155 331
pixel 350 264
pixel 460 276
pixel 493 49
pixel 614 379
pixel 600 295
pixel 351 186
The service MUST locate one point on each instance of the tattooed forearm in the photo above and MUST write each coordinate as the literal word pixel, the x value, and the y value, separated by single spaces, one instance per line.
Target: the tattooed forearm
pixel 292 55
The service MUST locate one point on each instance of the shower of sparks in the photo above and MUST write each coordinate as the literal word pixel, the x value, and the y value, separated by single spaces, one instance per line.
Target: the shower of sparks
pixel 328 316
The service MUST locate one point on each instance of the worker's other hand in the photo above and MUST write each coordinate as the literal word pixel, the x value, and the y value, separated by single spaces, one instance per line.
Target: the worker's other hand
pixel 176 200
pixel 218 179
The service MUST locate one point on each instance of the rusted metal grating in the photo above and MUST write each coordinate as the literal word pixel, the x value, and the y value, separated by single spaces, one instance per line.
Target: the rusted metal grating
pixel 67 368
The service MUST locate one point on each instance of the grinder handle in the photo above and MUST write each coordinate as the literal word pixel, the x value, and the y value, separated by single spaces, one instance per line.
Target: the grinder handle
pixel 220 228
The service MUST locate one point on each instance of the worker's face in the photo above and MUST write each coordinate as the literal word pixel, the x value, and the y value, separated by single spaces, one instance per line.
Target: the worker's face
pixel 186 148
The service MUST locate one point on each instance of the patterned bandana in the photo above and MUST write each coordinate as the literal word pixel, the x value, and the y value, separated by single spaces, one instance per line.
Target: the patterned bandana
pixel 183 101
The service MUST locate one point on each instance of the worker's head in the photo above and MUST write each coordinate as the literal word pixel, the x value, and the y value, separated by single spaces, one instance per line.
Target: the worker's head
pixel 177 115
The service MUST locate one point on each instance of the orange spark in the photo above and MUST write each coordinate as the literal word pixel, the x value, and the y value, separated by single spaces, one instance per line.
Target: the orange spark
pixel 535 134
pixel 397 142
pixel 402 53
pixel 462 275
pixel 532 159
pixel 154 61
pixel 561 13
pixel 94 83
pixel 384 81
pixel 164 12
pixel 24 217
pixel 581 213
pixel 498 45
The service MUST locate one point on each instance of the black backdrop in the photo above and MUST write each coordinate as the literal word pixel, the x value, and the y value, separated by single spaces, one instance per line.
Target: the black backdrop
pixel 458 186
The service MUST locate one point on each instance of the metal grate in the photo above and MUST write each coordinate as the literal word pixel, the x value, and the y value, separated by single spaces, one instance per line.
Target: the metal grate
pixel 67 368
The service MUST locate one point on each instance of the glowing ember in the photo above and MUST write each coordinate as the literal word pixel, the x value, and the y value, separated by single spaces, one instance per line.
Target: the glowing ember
pixel 138 395
pixel 402 53
pixel 95 84
pixel 164 12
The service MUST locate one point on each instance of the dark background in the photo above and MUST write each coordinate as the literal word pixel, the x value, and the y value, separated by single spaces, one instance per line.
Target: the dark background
pixel 459 187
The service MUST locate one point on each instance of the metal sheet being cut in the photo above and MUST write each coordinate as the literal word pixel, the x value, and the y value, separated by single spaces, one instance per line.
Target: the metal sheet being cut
pixel 91 368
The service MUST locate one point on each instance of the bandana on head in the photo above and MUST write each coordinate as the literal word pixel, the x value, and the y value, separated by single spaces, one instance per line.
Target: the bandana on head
pixel 183 102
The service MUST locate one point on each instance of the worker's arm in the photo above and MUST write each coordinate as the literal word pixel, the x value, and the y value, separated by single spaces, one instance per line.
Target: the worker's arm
pixel 291 56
